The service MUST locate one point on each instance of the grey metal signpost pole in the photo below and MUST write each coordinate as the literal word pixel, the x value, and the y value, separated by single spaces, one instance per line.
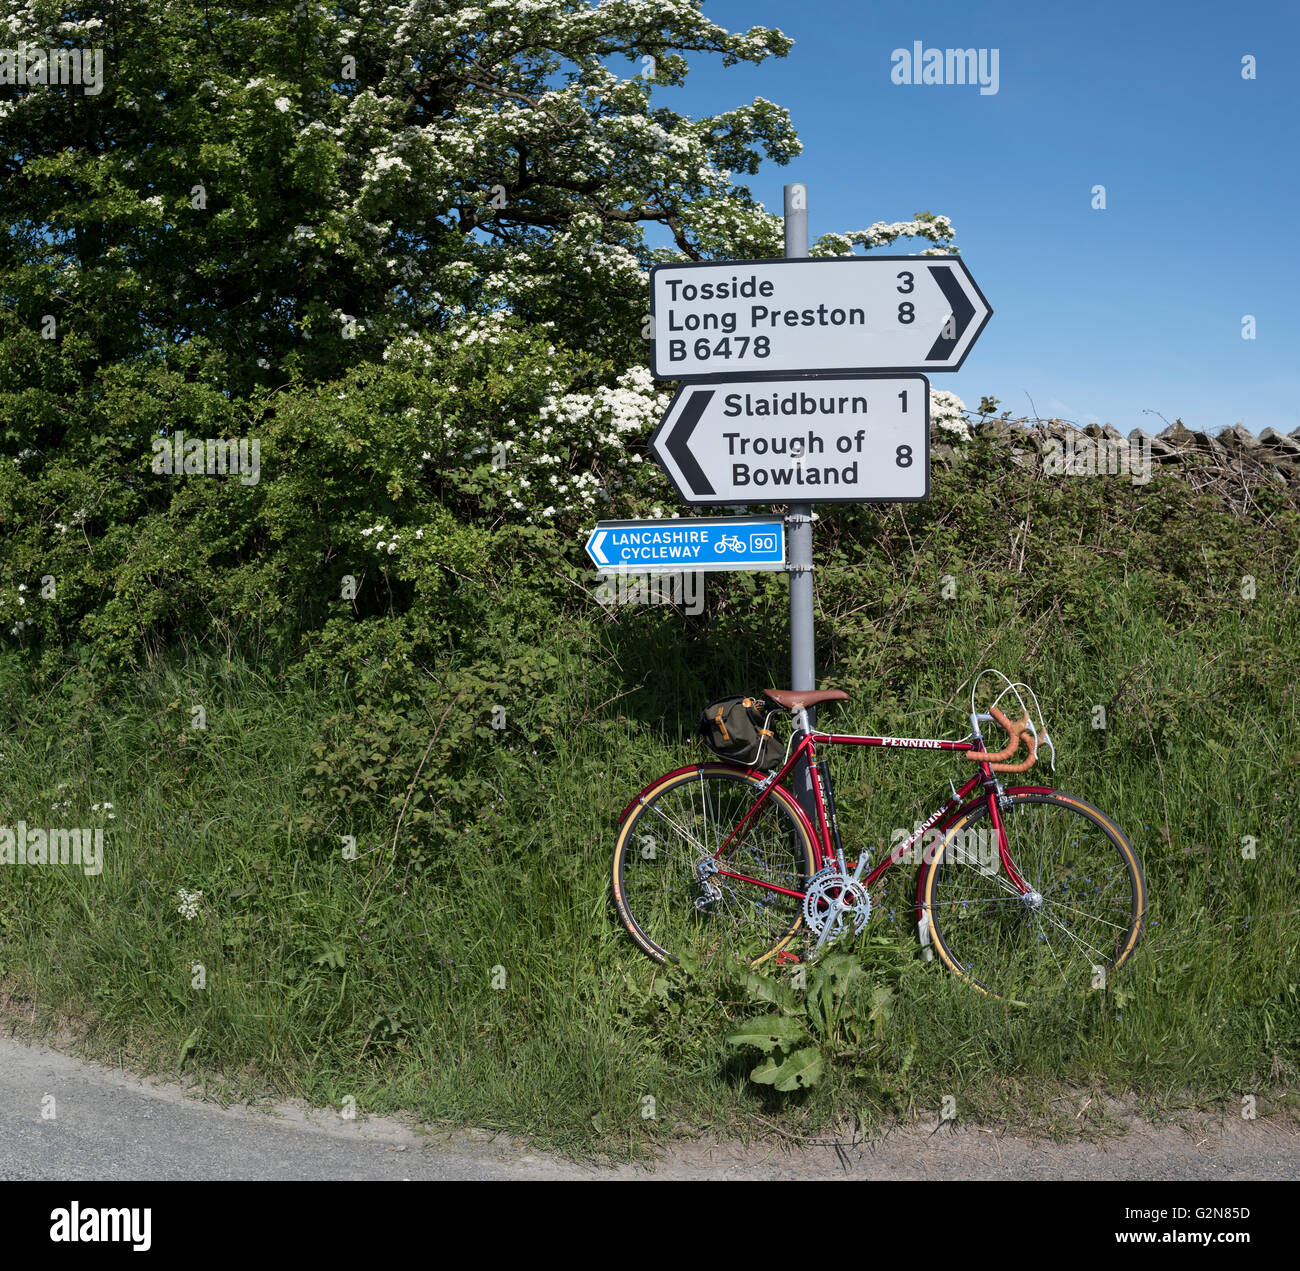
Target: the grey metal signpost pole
pixel 808 352
pixel 803 671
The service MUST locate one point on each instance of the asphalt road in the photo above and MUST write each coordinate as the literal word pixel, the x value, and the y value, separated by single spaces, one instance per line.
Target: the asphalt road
pixel 110 1125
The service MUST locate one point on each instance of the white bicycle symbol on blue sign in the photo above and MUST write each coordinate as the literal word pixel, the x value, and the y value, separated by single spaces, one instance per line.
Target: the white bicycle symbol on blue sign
pixel 729 543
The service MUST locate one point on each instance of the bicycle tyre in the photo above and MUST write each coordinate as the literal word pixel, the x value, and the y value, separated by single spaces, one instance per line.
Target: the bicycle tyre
pixel 656 886
pixel 1087 922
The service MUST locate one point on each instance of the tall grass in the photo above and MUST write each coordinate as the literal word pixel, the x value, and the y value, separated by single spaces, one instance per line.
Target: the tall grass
pixel 491 986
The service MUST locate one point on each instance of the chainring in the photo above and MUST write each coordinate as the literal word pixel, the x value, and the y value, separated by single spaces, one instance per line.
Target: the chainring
pixel 835 905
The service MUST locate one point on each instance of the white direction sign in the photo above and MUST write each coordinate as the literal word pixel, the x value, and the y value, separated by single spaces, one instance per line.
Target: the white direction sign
pixel 715 320
pixel 852 439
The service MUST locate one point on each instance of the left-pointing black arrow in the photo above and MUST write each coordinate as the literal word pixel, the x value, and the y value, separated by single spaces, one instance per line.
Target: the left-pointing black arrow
pixel 962 312
pixel 680 435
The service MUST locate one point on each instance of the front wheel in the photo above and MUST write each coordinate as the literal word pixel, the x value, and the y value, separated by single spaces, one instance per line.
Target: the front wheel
pixel 689 879
pixel 1080 919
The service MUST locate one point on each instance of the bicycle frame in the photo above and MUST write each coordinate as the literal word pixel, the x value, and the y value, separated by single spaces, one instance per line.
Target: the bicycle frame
pixel 805 746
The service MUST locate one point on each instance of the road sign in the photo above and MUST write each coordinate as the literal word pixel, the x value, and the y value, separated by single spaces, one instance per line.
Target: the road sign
pixel 851 439
pixel 717 320
pixel 680 545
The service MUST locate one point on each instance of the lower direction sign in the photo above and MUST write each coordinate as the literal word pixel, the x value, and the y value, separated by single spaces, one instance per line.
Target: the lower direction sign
pixel 851 439
pixel 673 546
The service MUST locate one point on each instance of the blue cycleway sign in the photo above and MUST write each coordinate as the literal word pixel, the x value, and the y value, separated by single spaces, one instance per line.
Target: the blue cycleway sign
pixel 681 545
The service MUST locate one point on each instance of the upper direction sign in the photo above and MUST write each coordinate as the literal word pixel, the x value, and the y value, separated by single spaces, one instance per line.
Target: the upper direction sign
pixel 855 439
pixel 837 314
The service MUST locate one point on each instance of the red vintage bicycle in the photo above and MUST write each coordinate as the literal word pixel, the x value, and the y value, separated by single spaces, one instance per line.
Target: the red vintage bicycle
pixel 1023 890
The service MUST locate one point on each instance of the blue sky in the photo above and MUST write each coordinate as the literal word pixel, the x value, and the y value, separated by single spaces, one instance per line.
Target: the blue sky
pixel 1098 315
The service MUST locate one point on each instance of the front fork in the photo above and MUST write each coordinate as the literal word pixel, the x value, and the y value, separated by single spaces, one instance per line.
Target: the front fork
pixel 999 801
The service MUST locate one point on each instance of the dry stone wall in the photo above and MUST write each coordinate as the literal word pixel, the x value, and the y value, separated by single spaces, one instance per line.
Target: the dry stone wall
pixel 1235 456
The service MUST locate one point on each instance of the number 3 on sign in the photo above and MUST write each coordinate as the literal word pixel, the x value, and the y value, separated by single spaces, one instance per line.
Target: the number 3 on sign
pixel 906 309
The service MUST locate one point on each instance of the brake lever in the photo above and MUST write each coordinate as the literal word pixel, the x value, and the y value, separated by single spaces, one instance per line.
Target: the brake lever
pixel 1046 741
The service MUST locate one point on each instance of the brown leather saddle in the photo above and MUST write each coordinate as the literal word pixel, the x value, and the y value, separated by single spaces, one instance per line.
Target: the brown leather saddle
pixel 793 700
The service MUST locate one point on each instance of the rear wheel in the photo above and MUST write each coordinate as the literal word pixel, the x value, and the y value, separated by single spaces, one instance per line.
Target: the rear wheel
pixel 675 855
pixel 1080 920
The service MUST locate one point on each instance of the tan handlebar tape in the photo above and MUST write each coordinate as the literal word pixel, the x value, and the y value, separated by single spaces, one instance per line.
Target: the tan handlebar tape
pixel 1032 742
pixel 1012 730
pixel 1015 731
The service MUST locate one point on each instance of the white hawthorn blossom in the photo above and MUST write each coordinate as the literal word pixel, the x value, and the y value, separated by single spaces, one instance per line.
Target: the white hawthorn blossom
pixel 948 413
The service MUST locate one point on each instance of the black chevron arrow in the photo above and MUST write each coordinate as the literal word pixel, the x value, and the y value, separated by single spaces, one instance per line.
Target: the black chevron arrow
pixel 676 444
pixel 962 312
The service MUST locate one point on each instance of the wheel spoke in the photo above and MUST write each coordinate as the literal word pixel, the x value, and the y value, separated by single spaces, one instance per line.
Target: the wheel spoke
pixel 679 828
pixel 1119 926
pixel 1052 951
pixel 1089 948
